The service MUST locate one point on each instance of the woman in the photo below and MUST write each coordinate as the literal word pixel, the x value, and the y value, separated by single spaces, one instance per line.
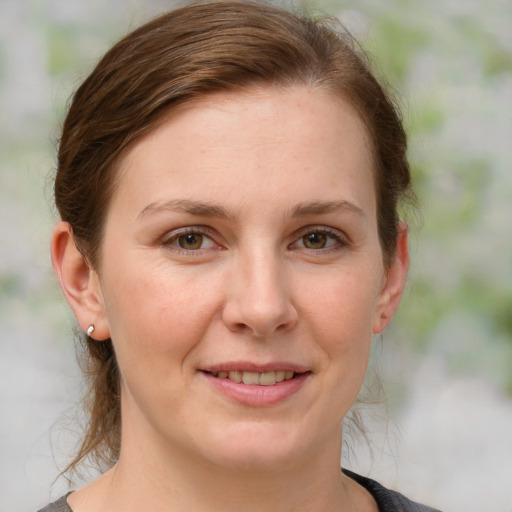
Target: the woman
pixel 228 180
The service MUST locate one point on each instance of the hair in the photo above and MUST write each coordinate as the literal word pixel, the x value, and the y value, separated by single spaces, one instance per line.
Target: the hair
pixel 172 60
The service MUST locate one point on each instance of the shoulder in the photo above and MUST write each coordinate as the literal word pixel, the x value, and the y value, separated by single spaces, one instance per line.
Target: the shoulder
pixel 387 500
pixel 61 505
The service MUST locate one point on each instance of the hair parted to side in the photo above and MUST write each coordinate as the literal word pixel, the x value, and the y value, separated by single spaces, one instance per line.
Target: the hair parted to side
pixel 176 58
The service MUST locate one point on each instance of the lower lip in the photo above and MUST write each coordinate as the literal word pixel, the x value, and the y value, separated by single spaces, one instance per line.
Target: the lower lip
pixel 258 396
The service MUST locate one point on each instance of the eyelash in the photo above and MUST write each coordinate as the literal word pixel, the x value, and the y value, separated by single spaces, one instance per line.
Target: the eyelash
pixel 172 239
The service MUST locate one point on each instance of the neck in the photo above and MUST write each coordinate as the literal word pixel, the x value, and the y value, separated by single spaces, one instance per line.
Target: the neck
pixel 178 482
pixel 153 474
pixel 181 483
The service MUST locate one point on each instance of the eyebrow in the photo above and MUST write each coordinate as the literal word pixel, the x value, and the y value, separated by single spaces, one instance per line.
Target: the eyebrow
pixel 320 207
pixel 211 210
pixel 187 206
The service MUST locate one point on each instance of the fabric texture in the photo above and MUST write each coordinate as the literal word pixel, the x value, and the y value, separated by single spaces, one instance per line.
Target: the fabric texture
pixel 387 501
pixel 61 505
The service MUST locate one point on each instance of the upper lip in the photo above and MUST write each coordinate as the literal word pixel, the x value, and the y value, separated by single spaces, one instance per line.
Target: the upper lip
pixel 249 366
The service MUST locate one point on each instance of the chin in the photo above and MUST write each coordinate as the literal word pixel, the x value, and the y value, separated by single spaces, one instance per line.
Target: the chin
pixel 256 447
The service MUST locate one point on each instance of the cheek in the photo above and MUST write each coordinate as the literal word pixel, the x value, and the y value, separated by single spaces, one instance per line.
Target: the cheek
pixel 342 306
pixel 156 310
pixel 341 318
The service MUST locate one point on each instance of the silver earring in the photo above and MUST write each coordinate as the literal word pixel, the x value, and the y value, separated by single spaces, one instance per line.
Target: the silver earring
pixel 90 330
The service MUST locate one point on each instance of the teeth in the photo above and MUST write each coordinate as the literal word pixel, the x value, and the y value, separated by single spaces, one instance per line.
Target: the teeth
pixel 255 378
pixel 267 379
pixel 235 376
pixel 251 378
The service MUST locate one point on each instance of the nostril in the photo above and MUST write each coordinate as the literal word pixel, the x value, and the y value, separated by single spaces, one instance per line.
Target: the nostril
pixel 240 327
pixel 262 310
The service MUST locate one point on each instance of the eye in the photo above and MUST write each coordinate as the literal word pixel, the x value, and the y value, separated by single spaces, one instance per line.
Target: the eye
pixel 315 240
pixel 320 239
pixel 191 240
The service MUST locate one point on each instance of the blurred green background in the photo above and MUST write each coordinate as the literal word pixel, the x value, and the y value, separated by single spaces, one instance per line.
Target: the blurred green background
pixel 445 363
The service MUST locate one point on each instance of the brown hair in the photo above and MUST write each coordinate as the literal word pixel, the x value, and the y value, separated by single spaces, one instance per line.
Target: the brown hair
pixel 173 59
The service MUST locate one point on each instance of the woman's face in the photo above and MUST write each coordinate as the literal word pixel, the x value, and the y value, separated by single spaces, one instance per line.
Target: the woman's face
pixel 242 244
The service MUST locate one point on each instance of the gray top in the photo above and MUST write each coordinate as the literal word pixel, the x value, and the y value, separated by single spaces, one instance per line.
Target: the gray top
pixel 61 505
pixel 387 501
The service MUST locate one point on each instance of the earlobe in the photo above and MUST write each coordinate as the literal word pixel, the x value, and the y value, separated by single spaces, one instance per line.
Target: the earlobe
pixel 396 276
pixel 79 282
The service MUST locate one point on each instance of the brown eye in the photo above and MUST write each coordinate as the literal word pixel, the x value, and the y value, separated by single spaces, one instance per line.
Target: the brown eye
pixel 190 241
pixel 315 240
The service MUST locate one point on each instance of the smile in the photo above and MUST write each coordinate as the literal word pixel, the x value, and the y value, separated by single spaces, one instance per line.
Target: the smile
pixel 257 385
pixel 255 378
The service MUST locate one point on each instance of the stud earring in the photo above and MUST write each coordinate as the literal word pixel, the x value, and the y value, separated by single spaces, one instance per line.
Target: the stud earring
pixel 90 330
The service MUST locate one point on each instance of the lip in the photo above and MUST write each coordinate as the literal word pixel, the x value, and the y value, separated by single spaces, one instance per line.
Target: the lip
pixel 240 366
pixel 256 395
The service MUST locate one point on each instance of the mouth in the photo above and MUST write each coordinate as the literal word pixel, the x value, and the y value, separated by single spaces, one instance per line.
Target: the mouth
pixel 250 378
pixel 257 385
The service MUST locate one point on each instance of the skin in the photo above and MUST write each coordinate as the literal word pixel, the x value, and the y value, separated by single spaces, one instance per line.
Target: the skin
pixel 283 168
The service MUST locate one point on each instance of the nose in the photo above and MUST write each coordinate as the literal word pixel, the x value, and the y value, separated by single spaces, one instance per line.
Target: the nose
pixel 258 297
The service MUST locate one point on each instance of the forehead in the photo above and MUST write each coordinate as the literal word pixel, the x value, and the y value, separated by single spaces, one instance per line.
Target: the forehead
pixel 252 144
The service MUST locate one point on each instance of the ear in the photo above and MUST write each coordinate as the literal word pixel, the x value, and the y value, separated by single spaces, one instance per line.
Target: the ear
pixel 393 288
pixel 79 282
